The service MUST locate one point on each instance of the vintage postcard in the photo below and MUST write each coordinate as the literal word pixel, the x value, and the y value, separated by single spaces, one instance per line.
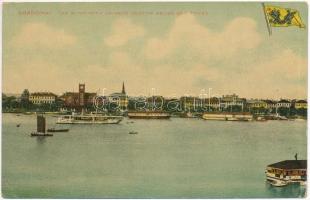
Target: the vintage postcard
pixel 154 100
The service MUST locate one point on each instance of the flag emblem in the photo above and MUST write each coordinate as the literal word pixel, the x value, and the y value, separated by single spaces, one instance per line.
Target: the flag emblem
pixel 283 17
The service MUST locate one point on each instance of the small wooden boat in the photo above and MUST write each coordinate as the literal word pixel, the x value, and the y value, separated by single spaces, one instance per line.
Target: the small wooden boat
pixel 18 125
pixel 57 130
pixel 133 132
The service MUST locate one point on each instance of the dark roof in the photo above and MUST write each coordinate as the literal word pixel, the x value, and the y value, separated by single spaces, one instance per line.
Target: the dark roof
pixel 283 101
pixel 270 101
pixel 43 94
pixel 290 164
pixel 301 101
pixel 117 94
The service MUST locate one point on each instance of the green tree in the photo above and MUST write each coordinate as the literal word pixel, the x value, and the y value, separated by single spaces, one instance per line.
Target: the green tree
pixel 302 112
pixel 24 99
pixel 284 111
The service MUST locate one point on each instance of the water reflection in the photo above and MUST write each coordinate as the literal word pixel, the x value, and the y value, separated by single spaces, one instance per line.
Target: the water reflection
pixel 40 140
pixel 291 190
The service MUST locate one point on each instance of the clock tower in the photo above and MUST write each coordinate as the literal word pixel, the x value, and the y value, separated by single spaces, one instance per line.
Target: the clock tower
pixel 81 94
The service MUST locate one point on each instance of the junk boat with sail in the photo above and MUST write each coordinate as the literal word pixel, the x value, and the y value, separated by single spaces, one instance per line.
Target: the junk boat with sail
pixel 41 127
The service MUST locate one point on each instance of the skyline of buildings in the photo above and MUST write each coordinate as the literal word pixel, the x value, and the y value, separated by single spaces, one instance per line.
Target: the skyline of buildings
pixel 83 98
pixel 206 93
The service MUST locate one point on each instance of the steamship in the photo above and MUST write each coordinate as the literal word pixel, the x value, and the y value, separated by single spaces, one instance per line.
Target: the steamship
pixel 89 119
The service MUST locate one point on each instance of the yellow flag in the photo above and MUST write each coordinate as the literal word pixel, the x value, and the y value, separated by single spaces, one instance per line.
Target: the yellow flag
pixel 283 17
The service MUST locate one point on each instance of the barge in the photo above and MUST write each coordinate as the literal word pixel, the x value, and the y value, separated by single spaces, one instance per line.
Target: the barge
pixel 228 116
pixel 149 115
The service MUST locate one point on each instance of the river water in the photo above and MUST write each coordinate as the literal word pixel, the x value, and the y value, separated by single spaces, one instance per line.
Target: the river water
pixel 176 158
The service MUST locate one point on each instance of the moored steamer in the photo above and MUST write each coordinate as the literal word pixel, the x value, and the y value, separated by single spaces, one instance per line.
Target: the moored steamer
pixel 89 119
pixel 242 116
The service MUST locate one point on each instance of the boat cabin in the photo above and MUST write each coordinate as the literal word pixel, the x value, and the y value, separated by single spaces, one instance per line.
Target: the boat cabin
pixel 287 171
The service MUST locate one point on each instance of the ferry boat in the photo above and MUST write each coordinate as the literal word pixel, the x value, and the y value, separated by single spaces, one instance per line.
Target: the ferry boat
pixel 286 172
pixel 149 115
pixel 89 119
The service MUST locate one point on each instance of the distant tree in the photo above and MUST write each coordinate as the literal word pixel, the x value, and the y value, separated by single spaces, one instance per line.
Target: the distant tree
pixel 302 112
pixel 259 111
pixel 273 110
pixel 292 111
pixel 236 108
pixel 233 108
pixel 25 94
pixel 24 99
pixel 131 104
pixel 284 111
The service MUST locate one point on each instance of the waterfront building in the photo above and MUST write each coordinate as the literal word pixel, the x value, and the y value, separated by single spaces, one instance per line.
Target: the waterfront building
pixel 271 104
pixel 301 104
pixel 189 103
pixel 213 102
pixel 78 99
pixel 257 104
pixel 70 99
pixel 119 98
pixel 228 101
pixel 155 102
pixel 42 98
pixel 283 103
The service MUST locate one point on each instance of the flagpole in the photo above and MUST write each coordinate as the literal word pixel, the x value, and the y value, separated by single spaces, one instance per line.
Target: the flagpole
pixel 266 18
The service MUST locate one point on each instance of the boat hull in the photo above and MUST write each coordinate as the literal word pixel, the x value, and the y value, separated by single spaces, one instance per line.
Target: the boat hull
pixel 148 115
pixel 57 130
pixel 37 134
pixel 244 117
pixel 276 182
